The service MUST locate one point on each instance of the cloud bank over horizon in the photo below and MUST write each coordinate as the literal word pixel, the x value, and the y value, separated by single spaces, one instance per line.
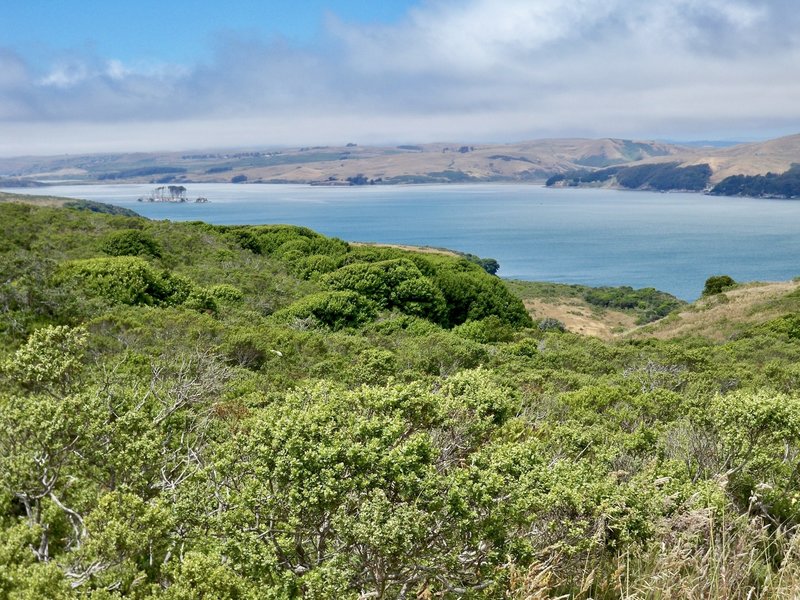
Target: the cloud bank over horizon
pixel 481 70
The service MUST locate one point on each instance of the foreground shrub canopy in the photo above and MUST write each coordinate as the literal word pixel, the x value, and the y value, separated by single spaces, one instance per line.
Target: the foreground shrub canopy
pixel 263 412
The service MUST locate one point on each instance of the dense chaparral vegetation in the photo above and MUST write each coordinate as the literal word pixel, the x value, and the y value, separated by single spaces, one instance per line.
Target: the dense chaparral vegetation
pixel 198 411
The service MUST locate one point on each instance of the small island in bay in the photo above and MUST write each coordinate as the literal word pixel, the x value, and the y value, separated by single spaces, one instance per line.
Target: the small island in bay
pixel 170 193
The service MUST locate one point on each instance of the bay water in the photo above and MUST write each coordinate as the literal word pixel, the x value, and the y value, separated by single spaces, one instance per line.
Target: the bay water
pixel 672 242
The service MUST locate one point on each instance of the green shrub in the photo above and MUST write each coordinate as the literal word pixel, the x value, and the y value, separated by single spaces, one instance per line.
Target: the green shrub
pixel 551 324
pixel 472 294
pixel 473 400
pixel 442 353
pixel 486 331
pixel 292 248
pixel 392 284
pixel 201 299
pixel 121 280
pixel 717 284
pixel 130 242
pixel 273 239
pixel 374 366
pixel 226 293
pixel 315 265
pixel 175 289
pixel 490 265
pixel 337 310
pixel 126 280
pixel 52 356
pixel 397 324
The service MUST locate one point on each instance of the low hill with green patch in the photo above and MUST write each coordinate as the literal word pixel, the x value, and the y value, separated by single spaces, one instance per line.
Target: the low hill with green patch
pixel 57 201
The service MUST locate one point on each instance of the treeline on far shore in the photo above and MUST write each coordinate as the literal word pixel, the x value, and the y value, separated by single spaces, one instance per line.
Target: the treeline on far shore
pixel 664 177
pixel 771 185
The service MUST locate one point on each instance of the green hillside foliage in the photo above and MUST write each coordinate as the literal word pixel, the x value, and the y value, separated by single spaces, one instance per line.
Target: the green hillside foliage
pixel 771 185
pixel 662 177
pixel 333 309
pixel 141 172
pixel 264 412
pixel 100 207
pixel 648 303
pixel 87 205
pixel 665 177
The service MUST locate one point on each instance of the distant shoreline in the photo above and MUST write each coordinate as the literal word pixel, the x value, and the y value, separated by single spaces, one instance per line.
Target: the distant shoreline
pixel 42 186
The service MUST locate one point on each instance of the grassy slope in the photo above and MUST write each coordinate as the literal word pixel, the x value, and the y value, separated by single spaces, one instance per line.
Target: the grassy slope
pixel 51 201
pixel 58 202
pixel 568 303
pixel 717 318
pixel 723 316
pixel 421 249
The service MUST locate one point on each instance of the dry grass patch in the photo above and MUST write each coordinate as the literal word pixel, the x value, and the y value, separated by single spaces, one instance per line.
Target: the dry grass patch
pixel 579 317
pixel 720 316
pixel 420 249
pixel 50 201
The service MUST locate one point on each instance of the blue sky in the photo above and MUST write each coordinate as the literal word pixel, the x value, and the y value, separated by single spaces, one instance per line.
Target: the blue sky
pixel 90 76
pixel 172 30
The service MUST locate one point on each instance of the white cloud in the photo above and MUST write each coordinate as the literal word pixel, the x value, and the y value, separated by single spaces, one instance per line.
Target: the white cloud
pixel 115 69
pixel 474 70
pixel 66 75
pixel 742 15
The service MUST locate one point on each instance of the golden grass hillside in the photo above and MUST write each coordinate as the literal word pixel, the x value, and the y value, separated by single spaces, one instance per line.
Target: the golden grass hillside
pixel 523 161
pixel 719 317
pixel 759 158
pixel 722 316
pixel 412 163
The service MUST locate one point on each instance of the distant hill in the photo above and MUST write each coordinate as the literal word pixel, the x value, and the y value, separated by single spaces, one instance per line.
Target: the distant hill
pixel 763 169
pixel 344 165
pixel 759 158
pixel 598 162
pixel 756 158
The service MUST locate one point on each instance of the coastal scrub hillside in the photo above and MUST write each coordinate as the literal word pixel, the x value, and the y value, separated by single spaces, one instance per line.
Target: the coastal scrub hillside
pixel 200 411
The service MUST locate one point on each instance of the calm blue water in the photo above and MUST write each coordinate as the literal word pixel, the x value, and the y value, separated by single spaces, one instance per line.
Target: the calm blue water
pixel 596 237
